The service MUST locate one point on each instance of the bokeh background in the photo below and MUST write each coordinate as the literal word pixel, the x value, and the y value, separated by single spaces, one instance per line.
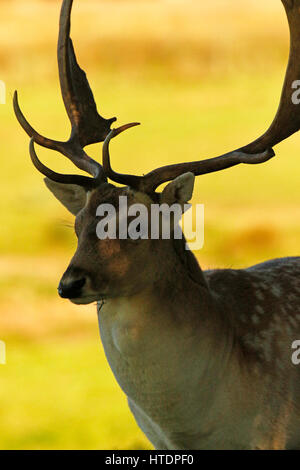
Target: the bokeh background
pixel 203 77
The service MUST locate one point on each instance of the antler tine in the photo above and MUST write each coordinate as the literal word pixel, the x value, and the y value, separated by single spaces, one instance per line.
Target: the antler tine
pixel 71 149
pixel 286 122
pixel 87 125
pixel 44 141
pixel 131 180
pixel 84 181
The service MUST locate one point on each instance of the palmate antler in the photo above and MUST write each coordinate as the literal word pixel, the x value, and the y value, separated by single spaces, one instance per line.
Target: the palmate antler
pixel 89 127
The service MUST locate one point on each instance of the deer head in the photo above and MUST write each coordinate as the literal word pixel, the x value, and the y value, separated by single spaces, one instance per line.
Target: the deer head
pixel 114 267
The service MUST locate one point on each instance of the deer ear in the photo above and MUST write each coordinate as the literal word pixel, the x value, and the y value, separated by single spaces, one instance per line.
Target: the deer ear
pixel 72 196
pixel 179 191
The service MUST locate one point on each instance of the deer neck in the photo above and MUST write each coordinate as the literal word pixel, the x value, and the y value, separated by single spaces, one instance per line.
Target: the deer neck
pixel 168 328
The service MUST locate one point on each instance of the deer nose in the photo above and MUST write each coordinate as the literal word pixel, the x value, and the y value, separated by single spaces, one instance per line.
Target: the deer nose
pixel 71 289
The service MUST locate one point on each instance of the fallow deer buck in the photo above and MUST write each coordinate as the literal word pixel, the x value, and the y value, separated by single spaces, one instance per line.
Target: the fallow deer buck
pixel 203 357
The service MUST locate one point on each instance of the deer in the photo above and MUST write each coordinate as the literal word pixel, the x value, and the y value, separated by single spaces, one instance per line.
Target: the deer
pixel 203 357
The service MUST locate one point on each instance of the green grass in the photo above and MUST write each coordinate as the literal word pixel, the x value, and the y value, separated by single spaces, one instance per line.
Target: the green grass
pixel 61 394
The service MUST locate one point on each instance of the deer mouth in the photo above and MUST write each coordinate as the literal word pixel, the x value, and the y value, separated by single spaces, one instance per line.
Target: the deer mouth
pixel 85 299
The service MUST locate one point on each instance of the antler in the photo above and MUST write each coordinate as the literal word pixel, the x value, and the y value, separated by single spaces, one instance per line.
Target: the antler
pixel 286 123
pixel 88 126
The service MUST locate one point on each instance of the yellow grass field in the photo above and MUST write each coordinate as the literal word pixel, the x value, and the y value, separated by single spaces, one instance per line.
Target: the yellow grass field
pixel 202 78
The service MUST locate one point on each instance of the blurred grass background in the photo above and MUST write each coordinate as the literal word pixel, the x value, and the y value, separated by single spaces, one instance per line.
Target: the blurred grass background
pixel 203 78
